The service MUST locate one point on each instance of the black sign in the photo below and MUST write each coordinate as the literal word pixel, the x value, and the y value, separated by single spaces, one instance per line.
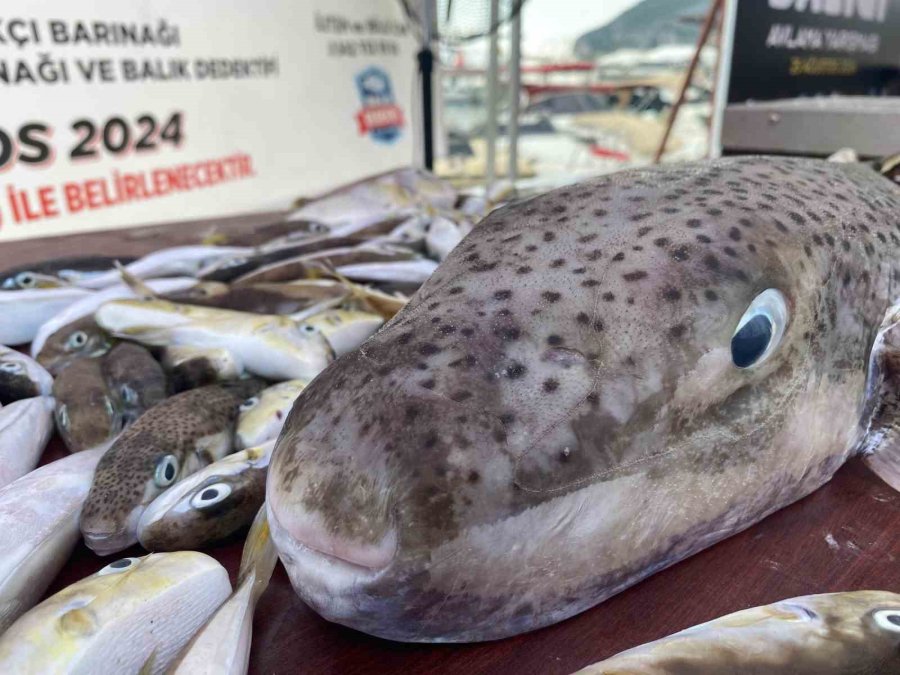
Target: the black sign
pixel 790 48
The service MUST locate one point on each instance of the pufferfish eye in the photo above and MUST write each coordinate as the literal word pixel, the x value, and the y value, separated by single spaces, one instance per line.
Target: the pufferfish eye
pixel 760 330
pixel 888 619
pixel 212 494
pixel 77 340
pixel 118 566
pixel 249 404
pixel 25 280
pixel 166 471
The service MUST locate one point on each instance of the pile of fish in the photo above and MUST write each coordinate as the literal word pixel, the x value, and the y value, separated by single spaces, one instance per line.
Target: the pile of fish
pixel 168 378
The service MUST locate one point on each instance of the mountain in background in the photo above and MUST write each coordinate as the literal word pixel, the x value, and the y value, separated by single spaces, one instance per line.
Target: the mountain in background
pixel 649 24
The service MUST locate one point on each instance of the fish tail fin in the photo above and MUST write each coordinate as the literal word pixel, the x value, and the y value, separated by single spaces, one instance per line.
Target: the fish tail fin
pixel 259 557
pixel 880 446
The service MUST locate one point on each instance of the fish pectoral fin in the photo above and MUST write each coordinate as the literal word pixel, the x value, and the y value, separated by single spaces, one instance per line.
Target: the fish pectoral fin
pixel 880 446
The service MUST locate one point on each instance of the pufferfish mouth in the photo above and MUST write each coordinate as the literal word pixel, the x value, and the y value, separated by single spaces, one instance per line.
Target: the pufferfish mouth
pixel 328 564
pixel 107 543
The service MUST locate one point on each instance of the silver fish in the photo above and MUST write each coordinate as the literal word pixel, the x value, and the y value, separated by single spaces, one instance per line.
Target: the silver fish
pixel 39 528
pixel 271 346
pixel 86 306
pixel 829 634
pixel 596 384
pixel 262 416
pixel 134 615
pixel 25 311
pixel 25 428
pixel 169 262
pixel 223 644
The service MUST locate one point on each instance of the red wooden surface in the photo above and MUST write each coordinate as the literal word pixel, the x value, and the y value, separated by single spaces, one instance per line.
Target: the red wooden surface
pixel 845 536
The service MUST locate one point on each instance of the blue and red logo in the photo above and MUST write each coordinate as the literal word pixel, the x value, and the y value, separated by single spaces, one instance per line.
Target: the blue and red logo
pixel 380 116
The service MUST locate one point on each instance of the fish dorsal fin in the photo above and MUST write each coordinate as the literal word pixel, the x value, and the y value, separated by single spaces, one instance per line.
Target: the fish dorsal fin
pixel 259 557
pixel 139 288
pixel 881 418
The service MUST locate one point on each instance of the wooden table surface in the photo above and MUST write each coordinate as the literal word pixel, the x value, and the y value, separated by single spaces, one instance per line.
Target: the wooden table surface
pixel 845 536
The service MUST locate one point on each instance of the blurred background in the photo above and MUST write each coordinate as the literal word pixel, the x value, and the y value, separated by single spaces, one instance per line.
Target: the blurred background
pixel 598 82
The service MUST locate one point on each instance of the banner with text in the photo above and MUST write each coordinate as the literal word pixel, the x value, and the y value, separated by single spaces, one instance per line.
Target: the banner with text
pixel 117 114
pixel 790 48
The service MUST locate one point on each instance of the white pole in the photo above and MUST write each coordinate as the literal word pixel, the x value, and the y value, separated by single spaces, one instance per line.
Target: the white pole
pixel 515 83
pixel 492 86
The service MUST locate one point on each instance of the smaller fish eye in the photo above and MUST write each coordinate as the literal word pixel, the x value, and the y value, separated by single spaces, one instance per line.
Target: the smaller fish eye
pixel 11 367
pixel 308 328
pixel 25 280
pixel 888 619
pixel 166 471
pixel 77 340
pixel 118 566
pixel 250 403
pixel 210 495
pixel 760 329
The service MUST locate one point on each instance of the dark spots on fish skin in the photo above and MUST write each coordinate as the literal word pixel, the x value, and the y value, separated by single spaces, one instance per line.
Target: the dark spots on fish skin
pixel 597 325
pixel 745 222
pixel 808 250
pixel 734 234
pixel 579 270
pixel 582 318
pixel 502 295
pixel 796 217
pixel 629 301
pixel 710 295
pixel 681 254
pixel 751 248
pixel 637 248
pixel 559 208
pixel 618 257
pixel 730 252
pixel 483 267
pixel 694 223
pixel 670 209
pixel 586 238
pixel 671 294
pixel 428 349
pixel 714 212
pixel 551 296
pixel 467 332
pixel 524 269
pixel 634 276
pixel 711 262
pixel 643 230
pixel 447 329
pixel 677 331
pixel 515 370
pixel 594 255
pixel 472 257
pixel 460 396
pixel 404 338
pixel 600 213
pixel 508 333
pixel 436 319
pixel 550 385
pixel 554 340
pixel 473 476
pixel 559 262
pixel 511 238
pixel 590 283
pixel 817 240
pixel 881 238
pixel 661 242
pixel 456 290
pixel 703 239
pixel 549 236
pixel 531 248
